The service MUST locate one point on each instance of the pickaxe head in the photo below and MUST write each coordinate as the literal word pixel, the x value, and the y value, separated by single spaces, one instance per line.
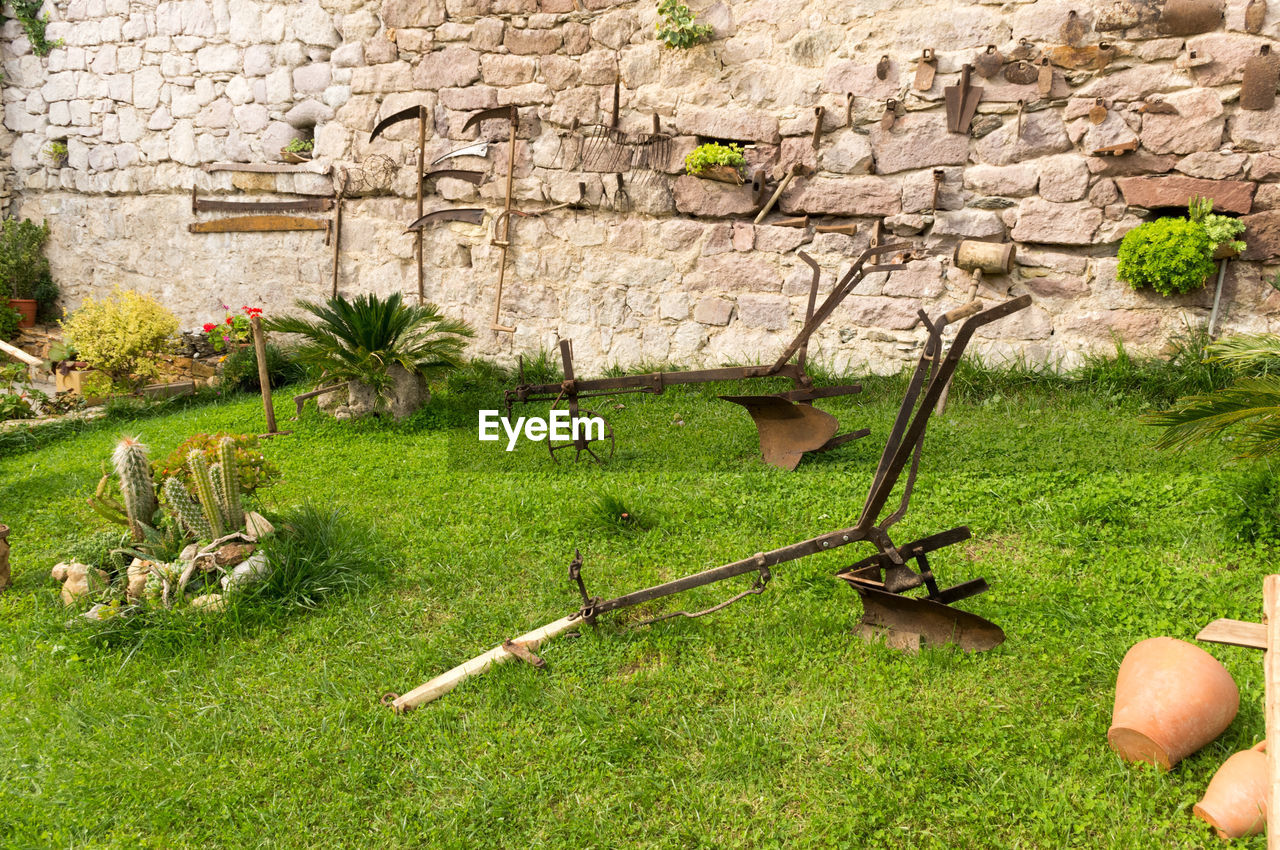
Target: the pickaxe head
pixel 509 113
pixel 470 216
pixel 411 113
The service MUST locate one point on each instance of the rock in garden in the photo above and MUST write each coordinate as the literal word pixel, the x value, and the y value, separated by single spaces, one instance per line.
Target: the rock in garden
pixel 230 554
pixel 78 580
pixel 251 571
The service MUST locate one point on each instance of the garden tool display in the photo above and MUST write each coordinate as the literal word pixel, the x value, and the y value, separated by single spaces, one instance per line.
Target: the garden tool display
pixel 962 102
pixel 890 114
pixel 1025 51
pixel 882 68
pixel 1098 112
pixel 1261 73
pixel 1190 17
pixel 337 230
pixel 787 423
pixel 259 224
pixel 988 63
pixel 307 205
pixel 420 113
pixel 881 580
pixel 475 178
pixel 512 116
pixel 926 69
pixel 1044 77
pixel 795 169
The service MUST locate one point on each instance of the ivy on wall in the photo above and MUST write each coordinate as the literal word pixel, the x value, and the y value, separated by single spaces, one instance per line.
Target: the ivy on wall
pixel 33 23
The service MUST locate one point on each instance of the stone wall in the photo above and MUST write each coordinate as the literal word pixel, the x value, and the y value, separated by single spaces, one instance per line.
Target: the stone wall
pixel 671 267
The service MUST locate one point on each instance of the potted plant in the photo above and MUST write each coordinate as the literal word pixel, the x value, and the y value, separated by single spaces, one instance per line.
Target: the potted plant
pixel 23 265
pixel 1174 256
pixel 298 150
pixel 382 348
pixel 57 153
pixel 234 331
pixel 714 161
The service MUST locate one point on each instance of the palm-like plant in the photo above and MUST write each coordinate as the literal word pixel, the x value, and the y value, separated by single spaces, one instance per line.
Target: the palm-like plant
pixel 360 340
pixel 1250 405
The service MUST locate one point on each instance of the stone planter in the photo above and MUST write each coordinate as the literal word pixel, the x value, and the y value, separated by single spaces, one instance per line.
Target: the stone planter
pixel 408 393
pixel 295 158
pixel 1225 252
pixel 27 307
pixel 721 174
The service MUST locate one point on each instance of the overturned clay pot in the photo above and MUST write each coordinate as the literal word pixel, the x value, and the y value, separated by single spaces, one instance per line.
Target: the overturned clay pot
pixel 1235 803
pixel 1172 698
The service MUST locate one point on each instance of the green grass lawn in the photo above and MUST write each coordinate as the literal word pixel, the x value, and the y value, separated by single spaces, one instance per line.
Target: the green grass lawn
pixel 766 725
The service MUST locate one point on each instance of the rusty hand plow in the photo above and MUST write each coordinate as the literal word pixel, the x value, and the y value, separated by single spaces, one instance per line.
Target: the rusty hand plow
pixel 788 424
pixel 881 580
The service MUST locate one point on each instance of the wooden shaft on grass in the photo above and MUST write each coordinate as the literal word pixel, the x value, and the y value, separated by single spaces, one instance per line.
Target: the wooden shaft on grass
pixel 264 379
pixel 445 682
pixel 1271 610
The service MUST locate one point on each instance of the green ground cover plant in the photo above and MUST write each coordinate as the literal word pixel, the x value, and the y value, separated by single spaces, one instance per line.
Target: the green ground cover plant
pixel 766 725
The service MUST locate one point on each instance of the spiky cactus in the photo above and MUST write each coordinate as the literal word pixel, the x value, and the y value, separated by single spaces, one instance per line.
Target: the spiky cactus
pixel 133 468
pixel 232 509
pixel 186 509
pixel 204 492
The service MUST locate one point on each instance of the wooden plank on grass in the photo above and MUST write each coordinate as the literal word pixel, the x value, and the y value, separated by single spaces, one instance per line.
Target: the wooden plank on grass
pixel 1235 633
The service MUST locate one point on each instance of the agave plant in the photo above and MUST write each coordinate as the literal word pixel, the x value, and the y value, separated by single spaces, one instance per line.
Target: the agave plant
pixel 360 340
pixel 1250 406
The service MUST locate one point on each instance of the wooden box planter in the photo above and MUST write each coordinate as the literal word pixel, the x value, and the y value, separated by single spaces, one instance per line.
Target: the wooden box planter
pixel 721 174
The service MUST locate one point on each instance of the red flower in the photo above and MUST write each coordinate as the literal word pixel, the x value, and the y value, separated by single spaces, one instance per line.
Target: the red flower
pixel 208 326
pixel 228 320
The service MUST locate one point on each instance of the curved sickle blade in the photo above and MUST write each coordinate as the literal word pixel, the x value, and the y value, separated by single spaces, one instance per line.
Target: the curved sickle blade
pixel 475 178
pixel 403 115
pixel 468 216
pixel 787 430
pixel 938 624
pixel 498 112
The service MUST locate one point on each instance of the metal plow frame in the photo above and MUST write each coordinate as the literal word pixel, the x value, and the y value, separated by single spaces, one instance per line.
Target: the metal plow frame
pixel 881 580
pixel 788 424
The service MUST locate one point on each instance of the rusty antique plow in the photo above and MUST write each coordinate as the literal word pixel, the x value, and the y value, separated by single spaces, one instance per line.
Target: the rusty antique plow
pixel 788 424
pixel 882 580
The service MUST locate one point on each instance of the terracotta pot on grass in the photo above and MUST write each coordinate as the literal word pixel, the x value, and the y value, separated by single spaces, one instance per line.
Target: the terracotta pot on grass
pixel 1235 803
pixel 1172 698
pixel 27 307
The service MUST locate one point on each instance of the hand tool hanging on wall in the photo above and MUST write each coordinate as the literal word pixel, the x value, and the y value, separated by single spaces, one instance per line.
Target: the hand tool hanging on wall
pixel 1258 87
pixel 466 215
pixel 881 580
pixel 511 115
pixel 962 102
pixel 343 182
pixel 480 149
pixel 259 224
pixel 795 169
pixel 1091 57
pixel 1044 77
pixel 988 63
pixel 1021 73
pixel 1255 15
pixel 420 113
pixel 926 68
pixel 1074 29
pixel 1190 17
pixel 787 423
pixel 475 178
pixel 210 205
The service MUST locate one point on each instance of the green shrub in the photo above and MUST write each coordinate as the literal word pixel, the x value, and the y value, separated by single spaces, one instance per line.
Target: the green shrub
pixel 46 295
pixel 9 319
pixel 23 264
pixel 676 28
pixel 99 549
pixel 240 369
pixel 119 335
pixel 1252 504
pixel 712 154
pixel 1171 255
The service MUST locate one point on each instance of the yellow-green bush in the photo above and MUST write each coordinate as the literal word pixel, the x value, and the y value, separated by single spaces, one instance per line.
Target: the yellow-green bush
pixel 121 333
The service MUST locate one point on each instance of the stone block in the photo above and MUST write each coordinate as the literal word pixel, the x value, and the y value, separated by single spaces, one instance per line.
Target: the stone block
pixel 1264 166
pixel 969 223
pixel 1229 52
pixel 1197 126
pixel 861 79
pixel 500 70
pixel 736 124
pixel 695 196
pixel 1256 130
pixel 413 13
pixel 1212 166
pixel 452 67
pixel 877 311
pixel 866 196
pixel 771 312
pixel 1043 133
pixel 531 42
pixel 1013 181
pixel 1063 178
pixel 920 280
pixel 1232 196
pixel 848 153
pixel 917 140
pixel 1057 224
pixel 713 311
pixel 1262 235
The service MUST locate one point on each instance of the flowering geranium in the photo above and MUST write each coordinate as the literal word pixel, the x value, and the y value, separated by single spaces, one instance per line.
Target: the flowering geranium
pixel 234 329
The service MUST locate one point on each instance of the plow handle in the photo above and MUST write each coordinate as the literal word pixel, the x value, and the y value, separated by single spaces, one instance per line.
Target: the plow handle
pixel 445 682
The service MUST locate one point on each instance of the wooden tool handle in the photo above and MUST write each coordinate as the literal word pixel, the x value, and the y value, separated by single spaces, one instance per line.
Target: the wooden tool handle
pixel 962 312
pixel 445 682
pixel 1271 668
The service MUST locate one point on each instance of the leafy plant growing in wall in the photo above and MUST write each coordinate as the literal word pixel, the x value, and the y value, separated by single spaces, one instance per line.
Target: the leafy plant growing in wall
pixel 676 28
pixel 1175 255
pixel 33 24
pixel 716 162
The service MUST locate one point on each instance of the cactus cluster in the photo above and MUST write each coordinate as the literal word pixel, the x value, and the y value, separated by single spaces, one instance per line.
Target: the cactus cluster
pixel 133 469
pixel 215 508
